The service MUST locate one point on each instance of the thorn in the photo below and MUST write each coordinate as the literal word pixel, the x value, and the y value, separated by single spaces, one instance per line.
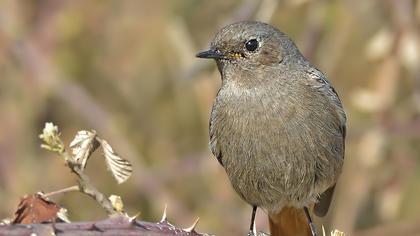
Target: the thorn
pixel 164 221
pixel 164 218
pixel 95 228
pixel 192 227
pixel 132 219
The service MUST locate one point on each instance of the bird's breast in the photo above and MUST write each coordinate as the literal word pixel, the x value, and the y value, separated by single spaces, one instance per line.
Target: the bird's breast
pixel 269 153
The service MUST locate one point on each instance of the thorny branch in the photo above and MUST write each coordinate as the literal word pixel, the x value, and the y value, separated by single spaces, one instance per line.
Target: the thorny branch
pixel 35 209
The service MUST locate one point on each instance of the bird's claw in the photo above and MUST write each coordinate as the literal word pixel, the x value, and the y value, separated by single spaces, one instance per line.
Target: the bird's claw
pixel 251 233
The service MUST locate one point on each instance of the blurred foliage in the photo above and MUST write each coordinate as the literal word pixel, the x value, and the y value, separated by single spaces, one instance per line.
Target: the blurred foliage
pixel 127 69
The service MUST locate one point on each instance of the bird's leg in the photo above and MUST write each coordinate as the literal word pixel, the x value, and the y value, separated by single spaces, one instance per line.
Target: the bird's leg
pixel 311 224
pixel 252 229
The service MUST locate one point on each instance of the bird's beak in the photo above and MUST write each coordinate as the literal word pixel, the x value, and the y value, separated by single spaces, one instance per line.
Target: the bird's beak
pixel 211 54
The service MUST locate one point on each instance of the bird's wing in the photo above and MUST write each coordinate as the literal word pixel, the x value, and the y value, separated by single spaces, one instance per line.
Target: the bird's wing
pixel 318 80
pixel 214 146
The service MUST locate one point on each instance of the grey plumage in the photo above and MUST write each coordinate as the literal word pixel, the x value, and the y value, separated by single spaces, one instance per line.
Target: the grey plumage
pixel 277 125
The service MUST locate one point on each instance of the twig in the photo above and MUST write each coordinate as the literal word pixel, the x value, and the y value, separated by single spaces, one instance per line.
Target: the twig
pixel 64 190
pixel 89 189
pixel 52 141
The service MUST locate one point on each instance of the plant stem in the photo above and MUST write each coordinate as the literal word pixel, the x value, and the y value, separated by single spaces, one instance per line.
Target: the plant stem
pixel 64 190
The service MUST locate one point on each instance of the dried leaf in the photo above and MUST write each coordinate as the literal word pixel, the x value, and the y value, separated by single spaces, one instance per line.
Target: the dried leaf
pixel 120 168
pixel 117 203
pixel 62 215
pixel 35 209
pixel 337 233
pixel 82 146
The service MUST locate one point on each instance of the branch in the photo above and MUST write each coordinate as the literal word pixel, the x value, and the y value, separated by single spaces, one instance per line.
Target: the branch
pixel 36 209
pixel 86 187
pixel 74 188
pixel 117 225
pixel 52 141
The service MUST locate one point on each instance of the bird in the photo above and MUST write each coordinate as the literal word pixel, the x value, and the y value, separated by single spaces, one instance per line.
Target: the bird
pixel 277 126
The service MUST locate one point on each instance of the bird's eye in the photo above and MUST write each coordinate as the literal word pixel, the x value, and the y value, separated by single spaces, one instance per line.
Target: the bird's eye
pixel 252 45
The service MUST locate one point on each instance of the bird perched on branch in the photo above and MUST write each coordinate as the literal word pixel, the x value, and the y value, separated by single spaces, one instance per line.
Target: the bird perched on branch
pixel 277 126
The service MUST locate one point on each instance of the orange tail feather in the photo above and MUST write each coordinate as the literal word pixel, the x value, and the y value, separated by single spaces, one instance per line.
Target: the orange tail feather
pixel 289 222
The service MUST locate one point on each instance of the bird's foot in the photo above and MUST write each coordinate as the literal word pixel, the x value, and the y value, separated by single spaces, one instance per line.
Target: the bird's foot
pixel 251 233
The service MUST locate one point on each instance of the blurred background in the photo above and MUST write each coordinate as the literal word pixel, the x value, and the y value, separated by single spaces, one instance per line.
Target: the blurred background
pixel 127 70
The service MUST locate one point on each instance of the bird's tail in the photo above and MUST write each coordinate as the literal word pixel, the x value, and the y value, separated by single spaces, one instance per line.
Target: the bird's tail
pixel 289 222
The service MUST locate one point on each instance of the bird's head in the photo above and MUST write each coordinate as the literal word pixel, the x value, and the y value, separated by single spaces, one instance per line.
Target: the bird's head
pixel 250 44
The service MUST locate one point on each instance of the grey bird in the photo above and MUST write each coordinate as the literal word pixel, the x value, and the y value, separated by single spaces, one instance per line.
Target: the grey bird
pixel 277 126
